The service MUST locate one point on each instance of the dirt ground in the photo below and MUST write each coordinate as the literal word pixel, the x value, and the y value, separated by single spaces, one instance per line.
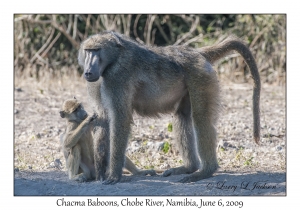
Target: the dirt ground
pixel 245 168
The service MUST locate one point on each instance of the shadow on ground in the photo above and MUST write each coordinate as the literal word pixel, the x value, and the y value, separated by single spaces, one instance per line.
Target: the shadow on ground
pixel 222 184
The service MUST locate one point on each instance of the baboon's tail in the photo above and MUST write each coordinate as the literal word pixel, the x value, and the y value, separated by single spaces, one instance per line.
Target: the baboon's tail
pixel 213 53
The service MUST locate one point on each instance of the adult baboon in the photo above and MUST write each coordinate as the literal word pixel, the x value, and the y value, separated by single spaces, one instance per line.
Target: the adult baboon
pixel 157 80
pixel 78 143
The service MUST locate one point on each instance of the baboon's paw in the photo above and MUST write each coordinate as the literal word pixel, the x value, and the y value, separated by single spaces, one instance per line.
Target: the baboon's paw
pixel 178 170
pixel 100 176
pixel 111 180
pixel 80 178
pixel 196 176
pixel 125 179
pixel 168 172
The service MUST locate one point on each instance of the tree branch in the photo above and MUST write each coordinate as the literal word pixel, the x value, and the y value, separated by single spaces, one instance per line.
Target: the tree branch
pixel 162 31
pixel 148 38
pixel 43 47
pixel 64 32
pixel 135 31
pixel 193 28
pixel 51 44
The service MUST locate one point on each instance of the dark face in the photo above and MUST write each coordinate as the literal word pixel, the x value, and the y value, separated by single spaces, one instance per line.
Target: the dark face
pixel 98 53
pixel 78 115
pixel 92 65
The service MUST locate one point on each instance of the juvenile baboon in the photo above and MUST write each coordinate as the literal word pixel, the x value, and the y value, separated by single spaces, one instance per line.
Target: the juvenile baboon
pixel 158 80
pixel 78 143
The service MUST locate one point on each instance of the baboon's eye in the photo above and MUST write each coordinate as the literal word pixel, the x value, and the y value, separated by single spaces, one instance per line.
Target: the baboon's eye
pixel 94 50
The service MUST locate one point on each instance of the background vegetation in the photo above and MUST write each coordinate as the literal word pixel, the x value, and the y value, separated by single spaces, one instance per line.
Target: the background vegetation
pixel 46 45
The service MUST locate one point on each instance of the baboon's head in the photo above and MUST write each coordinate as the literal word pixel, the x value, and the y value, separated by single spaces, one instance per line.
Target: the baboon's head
pixel 72 110
pixel 97 53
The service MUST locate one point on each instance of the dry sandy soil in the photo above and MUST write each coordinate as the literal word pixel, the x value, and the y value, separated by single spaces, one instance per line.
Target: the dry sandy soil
pixel 245 168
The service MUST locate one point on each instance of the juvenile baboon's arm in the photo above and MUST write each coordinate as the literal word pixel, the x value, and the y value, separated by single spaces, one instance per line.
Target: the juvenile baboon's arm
pixel 74 133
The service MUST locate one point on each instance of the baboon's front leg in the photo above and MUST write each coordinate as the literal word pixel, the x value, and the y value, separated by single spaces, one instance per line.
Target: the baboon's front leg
pixel 120 122
pixel 101 149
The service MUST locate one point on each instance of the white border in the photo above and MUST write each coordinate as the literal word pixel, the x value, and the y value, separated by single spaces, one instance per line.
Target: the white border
pixel 153 6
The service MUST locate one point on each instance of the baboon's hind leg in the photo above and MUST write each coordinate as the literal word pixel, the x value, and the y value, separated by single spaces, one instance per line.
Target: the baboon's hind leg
pixel 185 140
pixel 205 103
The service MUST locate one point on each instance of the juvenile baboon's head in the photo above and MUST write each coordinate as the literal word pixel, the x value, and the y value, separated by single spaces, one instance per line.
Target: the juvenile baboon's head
pixel 97 53
pixel 72 110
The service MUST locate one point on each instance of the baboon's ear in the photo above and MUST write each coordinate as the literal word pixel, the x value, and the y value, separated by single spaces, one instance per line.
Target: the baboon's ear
pixel 62 114
pixel 74 97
